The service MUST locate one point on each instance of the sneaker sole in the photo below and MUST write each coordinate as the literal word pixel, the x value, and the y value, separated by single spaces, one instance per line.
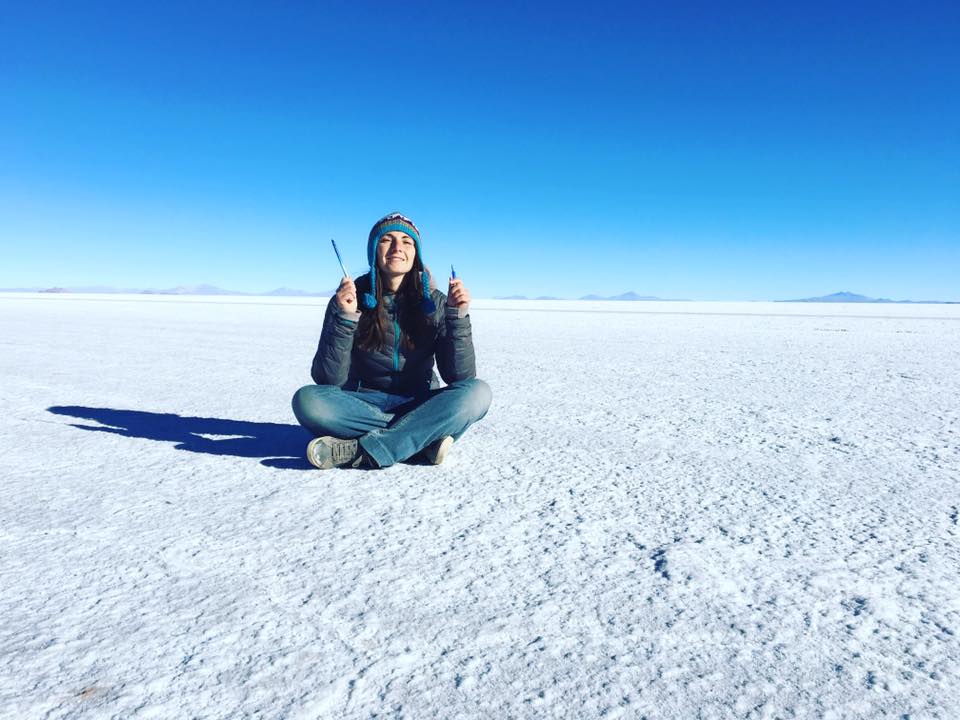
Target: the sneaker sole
pixel 443 450
pixel 310 446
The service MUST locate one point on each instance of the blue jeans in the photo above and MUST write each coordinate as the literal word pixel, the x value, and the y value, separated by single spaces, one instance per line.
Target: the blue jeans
pixel 392 428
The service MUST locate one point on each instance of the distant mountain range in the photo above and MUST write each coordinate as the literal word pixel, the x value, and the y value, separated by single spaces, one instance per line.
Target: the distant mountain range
pixel 202 289
pixel 849 297
pixel 205 289
pixel 624 296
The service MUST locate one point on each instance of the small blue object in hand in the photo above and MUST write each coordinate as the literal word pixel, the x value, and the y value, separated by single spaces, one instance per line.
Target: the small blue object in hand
pixel 340 259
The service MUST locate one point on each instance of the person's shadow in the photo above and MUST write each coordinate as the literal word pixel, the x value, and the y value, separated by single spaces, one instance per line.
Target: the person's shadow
pixel 280 446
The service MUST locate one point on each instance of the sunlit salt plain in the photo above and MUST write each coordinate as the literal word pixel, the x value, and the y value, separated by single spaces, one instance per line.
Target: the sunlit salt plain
pixel 672 510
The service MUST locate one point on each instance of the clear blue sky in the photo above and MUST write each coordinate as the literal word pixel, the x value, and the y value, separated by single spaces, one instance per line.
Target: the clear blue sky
pixel 769 150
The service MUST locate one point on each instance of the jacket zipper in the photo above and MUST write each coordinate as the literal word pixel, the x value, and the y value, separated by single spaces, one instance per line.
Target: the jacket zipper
pixel 396 343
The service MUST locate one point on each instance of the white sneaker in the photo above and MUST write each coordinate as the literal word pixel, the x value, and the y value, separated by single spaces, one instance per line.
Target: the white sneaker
pixel 436 451
pixel 327 452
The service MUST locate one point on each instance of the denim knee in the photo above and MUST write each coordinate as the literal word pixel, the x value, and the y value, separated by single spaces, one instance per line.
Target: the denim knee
pixel 476 398
pixel 310 406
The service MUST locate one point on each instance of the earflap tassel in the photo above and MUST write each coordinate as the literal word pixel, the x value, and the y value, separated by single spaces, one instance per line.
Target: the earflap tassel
pixel 370 298
pixel 429 306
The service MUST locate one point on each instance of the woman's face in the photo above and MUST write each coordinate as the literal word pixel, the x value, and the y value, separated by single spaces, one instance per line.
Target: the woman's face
pixel 395 253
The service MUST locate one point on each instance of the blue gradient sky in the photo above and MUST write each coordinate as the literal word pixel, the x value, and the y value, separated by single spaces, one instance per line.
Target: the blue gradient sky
pixel 675 149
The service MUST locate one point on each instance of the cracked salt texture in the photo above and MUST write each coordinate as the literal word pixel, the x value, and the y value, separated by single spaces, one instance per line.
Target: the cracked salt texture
pixel 672 509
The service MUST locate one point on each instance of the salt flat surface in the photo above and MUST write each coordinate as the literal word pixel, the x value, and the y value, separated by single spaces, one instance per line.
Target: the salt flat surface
pixel 672 510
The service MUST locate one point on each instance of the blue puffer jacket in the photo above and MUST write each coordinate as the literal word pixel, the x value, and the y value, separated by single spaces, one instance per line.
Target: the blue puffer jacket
pixel 394 370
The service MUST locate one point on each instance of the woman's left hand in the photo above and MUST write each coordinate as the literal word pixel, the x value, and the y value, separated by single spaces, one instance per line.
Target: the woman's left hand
pixel 457 294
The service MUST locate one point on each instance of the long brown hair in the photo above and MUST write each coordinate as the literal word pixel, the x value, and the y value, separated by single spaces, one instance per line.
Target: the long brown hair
pixel 416 326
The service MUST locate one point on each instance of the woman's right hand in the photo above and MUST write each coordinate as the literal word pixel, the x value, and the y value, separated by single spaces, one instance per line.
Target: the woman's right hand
pixel 347 295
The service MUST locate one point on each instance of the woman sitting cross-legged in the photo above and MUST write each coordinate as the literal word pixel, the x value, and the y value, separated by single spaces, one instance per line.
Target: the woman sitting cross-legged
pixel 377 400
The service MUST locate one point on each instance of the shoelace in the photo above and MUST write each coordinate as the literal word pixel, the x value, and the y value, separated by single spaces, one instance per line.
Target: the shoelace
pixel 344 451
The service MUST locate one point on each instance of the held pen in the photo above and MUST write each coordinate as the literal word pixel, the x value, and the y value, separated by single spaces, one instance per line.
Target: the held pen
pixel 340 259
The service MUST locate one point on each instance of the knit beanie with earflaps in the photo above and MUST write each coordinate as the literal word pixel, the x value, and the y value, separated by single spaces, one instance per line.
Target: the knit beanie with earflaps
pixel 388 223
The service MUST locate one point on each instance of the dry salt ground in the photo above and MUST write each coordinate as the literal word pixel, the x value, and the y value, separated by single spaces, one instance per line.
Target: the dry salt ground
pixel 672 510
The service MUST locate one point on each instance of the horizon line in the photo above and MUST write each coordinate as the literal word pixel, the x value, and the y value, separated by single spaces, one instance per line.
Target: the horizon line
pixel 292 293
